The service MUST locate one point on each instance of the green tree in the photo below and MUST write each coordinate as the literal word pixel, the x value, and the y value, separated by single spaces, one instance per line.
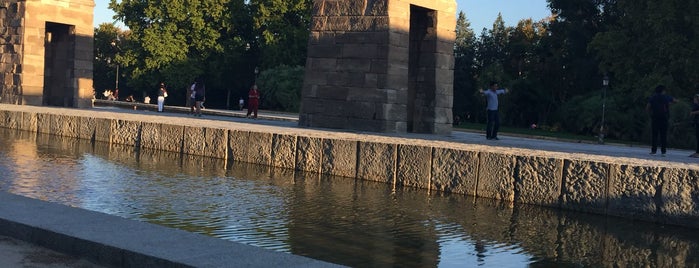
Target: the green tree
pixel 466 104
pixel 650 43
pixel 280 88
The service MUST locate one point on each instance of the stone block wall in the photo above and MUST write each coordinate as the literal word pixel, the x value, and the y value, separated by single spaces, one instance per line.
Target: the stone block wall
pixel 659 192
pixel 11 35
pixel 27 28
pixel 358 71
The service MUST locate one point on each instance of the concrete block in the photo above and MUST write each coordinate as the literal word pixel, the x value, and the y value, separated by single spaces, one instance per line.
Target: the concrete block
pixel 339 158
pixel 103 128
pixel 454 171
pixel 284 151
pixel 414 166
pixel 309 154
pixel 495 176
pixel 632 191
pixel 125 132
pixel 585 186
pixel 193 142
pixel 13 119
pixel 538 180
pixel 679 196
pixel 377 162
pixel 238 141
pixel 260 148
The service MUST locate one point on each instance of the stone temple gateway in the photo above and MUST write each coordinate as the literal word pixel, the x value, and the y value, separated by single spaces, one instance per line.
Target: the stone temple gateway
pixel 46 52
pixel 380 65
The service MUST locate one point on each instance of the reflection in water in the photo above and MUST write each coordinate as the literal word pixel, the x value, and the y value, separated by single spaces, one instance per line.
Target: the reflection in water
pixel 340 220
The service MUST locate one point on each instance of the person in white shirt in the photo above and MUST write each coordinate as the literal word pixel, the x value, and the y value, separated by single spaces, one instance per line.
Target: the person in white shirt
pixel 491 130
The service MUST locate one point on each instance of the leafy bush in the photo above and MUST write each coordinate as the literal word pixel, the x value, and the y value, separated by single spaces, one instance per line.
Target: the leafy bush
pixel 280 88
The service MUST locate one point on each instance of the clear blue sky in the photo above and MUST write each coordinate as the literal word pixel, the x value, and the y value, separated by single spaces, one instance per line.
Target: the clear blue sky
pixel 481 13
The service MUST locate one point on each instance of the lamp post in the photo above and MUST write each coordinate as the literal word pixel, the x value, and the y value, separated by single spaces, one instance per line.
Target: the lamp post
pixel 605 84
pixel 116 78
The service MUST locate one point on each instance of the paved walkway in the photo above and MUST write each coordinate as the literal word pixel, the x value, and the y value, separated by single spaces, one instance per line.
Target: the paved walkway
pixel 15 253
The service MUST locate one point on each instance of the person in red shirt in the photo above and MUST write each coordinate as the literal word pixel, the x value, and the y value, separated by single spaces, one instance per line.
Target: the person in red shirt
pixel 253 101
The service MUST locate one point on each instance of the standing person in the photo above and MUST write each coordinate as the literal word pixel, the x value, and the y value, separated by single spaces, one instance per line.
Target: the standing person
pixel 189 99
pixel 241 103
pixel 192 96
pixel 199 95
pixel 659 108
pixel 162 93
pixel 253 101
pixel 695 113
pixel 491 130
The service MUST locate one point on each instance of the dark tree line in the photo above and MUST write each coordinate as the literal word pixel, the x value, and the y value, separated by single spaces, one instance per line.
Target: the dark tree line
pixel 554 67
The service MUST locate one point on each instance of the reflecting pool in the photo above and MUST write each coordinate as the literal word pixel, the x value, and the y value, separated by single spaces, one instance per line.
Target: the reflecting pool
pixel 340 220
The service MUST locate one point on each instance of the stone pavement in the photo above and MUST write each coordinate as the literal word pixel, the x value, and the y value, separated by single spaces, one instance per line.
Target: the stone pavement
pixel 19 253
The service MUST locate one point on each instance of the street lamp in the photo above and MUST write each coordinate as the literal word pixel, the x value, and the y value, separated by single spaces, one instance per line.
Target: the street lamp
pixel 605 84
pixel 116 78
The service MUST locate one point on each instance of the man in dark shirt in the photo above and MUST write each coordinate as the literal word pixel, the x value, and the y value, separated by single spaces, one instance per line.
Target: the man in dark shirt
pixel 659 108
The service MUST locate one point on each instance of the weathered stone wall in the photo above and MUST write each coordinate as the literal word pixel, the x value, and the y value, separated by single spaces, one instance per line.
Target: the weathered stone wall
pixel 23 46
pixel 11 33
pixel 357 70
pixel 664 194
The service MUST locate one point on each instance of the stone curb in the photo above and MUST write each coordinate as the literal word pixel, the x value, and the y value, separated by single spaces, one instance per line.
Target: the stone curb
pixel 114 241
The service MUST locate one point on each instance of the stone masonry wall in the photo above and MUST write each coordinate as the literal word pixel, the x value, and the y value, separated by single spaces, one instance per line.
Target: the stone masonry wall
pixel 23 27
pixel 358 61
pixel 11 36
pixel 664 194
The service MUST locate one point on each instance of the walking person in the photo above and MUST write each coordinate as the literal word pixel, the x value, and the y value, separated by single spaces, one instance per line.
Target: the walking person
pixel 253 101
pixel 162 94
pixel 199 95
pixel 695 114
pixel 491 130
pixel 659 108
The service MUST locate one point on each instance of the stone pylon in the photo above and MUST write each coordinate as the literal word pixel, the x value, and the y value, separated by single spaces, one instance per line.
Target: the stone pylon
pixel 380 65
pixel 46 52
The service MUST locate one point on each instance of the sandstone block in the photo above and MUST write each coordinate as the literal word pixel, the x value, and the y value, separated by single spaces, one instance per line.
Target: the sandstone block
pixel 215 143
pixel 414 166
pixel 454 171
pixel 495 176
pixel 193 142
pixel 538 180
pixel 308 154
pixel 339 158
pixel 260 148
pixel 632 191
pixel 126 132
pixel 86 129
pixel 585 186
pixel 679 196
pixel 27 121
pixel 151 135
pixel 171 138
pixel 103 129
pixel 284 151
pixel 238 144
pixel 377 162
